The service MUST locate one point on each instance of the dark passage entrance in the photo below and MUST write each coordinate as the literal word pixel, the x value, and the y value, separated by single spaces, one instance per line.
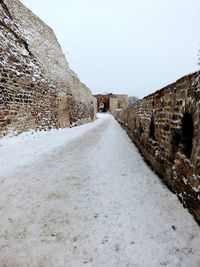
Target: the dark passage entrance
pixel 187 134
pixel 103 103
pixel 102 107
pixel 152 129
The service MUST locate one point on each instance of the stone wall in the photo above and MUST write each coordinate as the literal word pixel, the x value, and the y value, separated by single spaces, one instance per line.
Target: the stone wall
pixel 113 103
pixel 37 87
pixel 165 126
pixel 122 101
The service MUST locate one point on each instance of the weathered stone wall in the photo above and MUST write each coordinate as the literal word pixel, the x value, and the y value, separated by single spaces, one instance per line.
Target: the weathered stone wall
pixel 113 103
pixel 37 87
pixel 165 126
pixel 23 85
pixel 122 101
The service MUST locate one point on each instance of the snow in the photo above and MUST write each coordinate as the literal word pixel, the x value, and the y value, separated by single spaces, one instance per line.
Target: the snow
pixel 85 197
pixel 31 146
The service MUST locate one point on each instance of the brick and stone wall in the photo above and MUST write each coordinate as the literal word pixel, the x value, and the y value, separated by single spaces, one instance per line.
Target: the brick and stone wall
pixel 37 87
pixel 165 126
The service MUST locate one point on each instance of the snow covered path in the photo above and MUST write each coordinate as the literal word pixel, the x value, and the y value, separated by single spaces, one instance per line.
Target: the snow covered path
pixel 84 197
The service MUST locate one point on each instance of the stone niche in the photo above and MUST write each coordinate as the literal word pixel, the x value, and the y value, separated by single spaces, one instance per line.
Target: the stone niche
pixel 38 90
pixel 165 126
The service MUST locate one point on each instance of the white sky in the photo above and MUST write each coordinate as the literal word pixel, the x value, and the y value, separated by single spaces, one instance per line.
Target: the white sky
pixel 125 46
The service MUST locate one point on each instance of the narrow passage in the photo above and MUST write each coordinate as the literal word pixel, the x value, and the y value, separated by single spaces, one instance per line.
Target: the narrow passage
pixel 85 197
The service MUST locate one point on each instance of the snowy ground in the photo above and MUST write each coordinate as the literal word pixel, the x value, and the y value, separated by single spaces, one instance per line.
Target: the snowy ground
pixel 84 197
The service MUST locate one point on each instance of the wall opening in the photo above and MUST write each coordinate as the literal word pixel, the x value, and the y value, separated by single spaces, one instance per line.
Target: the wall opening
pixel 187 134
pixel 102 107
pixel 152 129
pixel 135 123
pixel 141 131
pixel 103 103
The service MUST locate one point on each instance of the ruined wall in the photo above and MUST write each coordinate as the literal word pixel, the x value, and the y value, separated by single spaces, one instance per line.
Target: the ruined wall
pixel 37 87
pixel 165 126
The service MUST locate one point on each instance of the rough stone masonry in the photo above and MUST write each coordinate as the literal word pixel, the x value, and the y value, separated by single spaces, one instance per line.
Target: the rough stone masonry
pixel 38 90
pixel 165 126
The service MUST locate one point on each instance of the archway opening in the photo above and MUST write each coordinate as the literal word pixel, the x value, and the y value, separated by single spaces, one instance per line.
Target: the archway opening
pixel 187 134
pixel 141 131
pixel 152 129
pixel 102 107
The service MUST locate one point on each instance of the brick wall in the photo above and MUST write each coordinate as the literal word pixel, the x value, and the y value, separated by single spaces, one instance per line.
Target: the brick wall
pixel 165 126
pixel 37 87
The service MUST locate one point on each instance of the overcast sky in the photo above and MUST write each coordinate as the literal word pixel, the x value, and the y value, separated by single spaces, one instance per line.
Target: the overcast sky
pixel 125 46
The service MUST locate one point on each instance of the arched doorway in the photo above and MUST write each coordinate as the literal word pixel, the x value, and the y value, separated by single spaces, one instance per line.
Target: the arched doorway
pixel 103 103
pixel 187 134
pixel 152 129
pixel 102 107
pixel 183 139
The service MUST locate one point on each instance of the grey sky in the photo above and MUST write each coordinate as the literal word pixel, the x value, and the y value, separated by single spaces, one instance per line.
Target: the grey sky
pixel 125 46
